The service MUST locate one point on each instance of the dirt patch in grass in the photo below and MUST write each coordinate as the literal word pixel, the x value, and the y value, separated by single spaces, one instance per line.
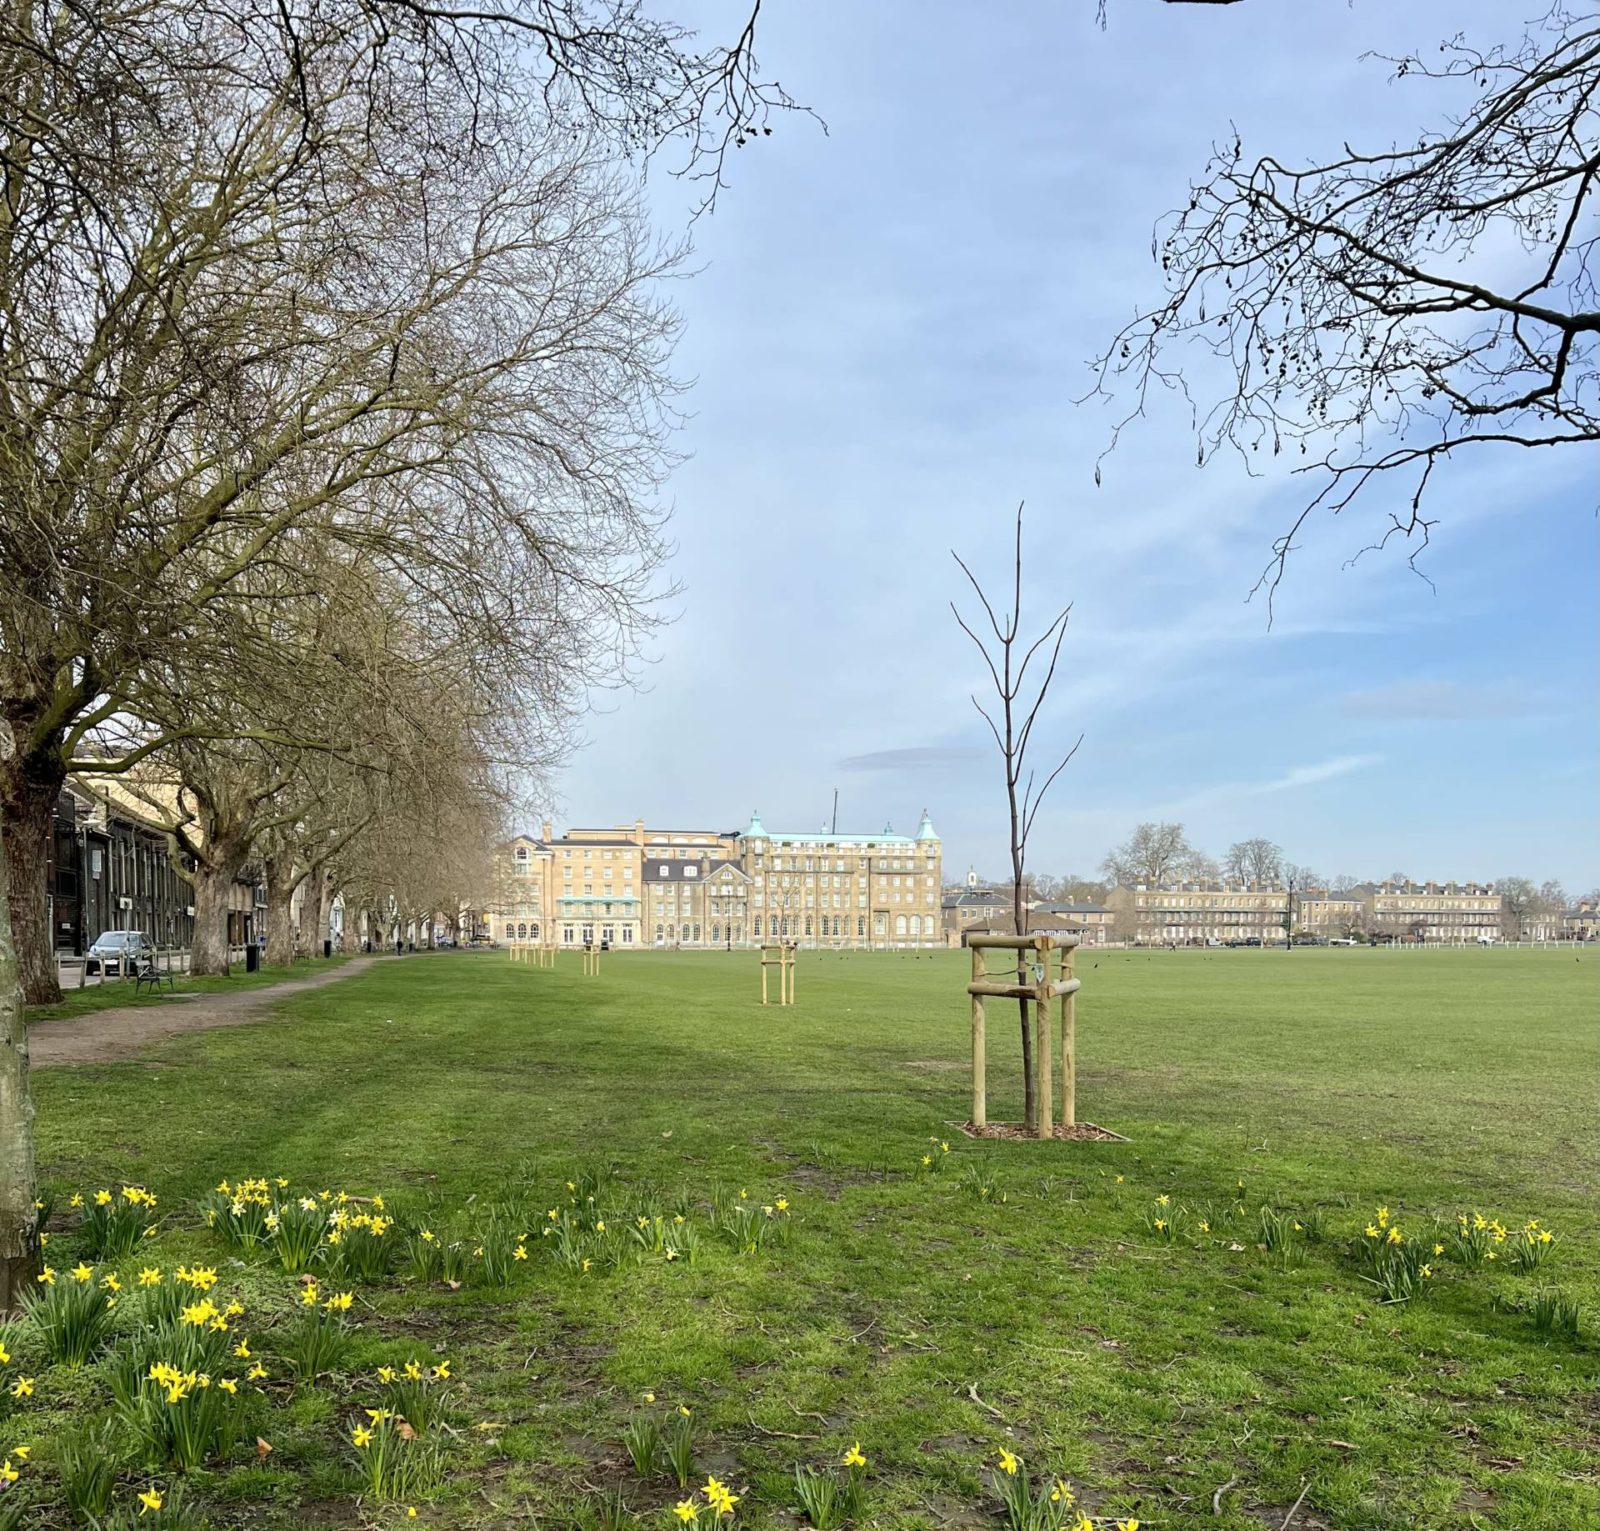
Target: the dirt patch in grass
pixel 1080 1132
pixel 934 1065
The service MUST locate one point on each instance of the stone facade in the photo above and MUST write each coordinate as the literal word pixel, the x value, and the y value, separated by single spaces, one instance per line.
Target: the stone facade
pixel 634 887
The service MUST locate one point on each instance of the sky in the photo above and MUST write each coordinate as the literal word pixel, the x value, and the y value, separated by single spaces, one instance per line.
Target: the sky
pixel 886 330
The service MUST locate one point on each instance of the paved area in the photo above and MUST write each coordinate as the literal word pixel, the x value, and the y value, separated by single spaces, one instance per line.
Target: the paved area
pixel 105 1036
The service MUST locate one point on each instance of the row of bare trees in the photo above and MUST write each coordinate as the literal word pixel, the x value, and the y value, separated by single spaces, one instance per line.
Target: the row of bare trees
pixel 333 400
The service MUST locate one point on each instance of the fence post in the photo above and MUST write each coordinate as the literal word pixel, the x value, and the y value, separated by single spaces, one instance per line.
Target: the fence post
pixel 1069 1042
pixel 1041 1007
pixel 980 1094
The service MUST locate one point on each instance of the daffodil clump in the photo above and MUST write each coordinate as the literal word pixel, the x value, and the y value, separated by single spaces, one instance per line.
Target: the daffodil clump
pixel 114 1223
pixel 714 1506
pixel 1475 1241
pixel 937 1157
pixel 1162 1218
pixel 1531 1246
pixel 180 1418
pixel 317 1342
pixel 14 1500
pixel 833 1498
pixel 416 1393
pixel 361 1245
pixel 1048 1505
pixel 396 1460
pixel 72 1311
pixel 10 1348
pixel 1399 1266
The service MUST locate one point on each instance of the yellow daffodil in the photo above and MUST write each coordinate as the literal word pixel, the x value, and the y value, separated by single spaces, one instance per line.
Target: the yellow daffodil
pixel 853 1457
pixel 442 1371
pixel 685 1510
pixel 1205 1227
pixel 22 1387
pixel 1062 1493
pixel 783 1203
pixel 519 1253
pixel 76 1201
pixel 927 1159
pixel 8 1474
pixel 413 1371
pixel 256 1372
pixel 21 1453
pixel 1162 1200
pixel 1008 1462
pixel 102 1198
pixel 110 1282
pixel 228 1385
pixel 361 1436
pixel 386 1374
pixel 47 1276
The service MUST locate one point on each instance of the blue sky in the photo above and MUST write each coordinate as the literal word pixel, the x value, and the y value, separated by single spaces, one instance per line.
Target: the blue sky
pixel 886 330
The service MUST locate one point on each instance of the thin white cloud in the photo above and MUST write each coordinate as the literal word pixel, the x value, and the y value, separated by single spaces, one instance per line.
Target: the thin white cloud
pixel 1294 777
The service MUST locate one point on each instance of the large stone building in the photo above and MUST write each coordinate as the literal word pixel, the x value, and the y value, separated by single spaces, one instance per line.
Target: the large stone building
pixel 1197 913
pixel 1449 913
pixel 631 887
pixel 1201 913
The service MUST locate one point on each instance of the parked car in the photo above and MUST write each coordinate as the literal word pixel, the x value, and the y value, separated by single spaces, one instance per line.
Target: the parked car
pixel 118 951
pixel 1343 941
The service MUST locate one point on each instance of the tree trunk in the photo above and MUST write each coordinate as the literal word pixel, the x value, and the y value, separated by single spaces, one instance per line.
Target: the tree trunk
pixel 281 883
pixel 1019 913
pixel 317 902
pixel 213 888
pixel 19 1231
pixel 28 793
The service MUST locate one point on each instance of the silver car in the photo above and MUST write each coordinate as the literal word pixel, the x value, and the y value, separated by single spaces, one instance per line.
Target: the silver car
pixel 118 951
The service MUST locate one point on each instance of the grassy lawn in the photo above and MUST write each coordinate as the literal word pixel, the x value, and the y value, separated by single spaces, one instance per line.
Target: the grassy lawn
pixel 116 992
pixel 1007 1296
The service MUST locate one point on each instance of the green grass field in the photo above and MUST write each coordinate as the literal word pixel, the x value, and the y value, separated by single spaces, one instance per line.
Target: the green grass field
pixel 1010 1295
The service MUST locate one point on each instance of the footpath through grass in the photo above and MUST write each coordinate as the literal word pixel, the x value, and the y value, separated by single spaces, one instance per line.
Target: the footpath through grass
pixel 1040 1298
pixel 116 992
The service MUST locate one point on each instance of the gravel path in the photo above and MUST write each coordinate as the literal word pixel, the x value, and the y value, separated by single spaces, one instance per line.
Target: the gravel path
pixel 107 1036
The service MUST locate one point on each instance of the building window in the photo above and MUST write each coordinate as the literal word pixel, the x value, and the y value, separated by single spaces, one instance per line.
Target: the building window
pixel 716 935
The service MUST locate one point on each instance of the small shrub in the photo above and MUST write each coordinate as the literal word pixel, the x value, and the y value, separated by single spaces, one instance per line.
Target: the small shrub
pixel 72 1313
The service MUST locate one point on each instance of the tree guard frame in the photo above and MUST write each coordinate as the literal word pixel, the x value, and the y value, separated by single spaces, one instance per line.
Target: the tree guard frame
pixel 784 962
pixel 1044 993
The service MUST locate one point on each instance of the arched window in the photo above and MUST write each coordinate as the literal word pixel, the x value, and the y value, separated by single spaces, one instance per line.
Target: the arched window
pixel 916 924
pixel 716 935
pixel 861 925
pixel 683 935
pixel 808 924
pixel 661 935
pixel 533 930
pixel 899 924
pixel 522 932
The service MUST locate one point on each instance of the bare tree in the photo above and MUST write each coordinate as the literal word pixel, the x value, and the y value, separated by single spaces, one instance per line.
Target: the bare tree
pixel 1154 854
pixel 1256 861
pixel 1381 312
pixel 1019 704
pixel 1519 903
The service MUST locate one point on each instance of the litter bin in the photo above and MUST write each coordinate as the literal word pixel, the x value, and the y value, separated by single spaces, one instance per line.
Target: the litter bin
pixel 252 958
pixel 327 948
